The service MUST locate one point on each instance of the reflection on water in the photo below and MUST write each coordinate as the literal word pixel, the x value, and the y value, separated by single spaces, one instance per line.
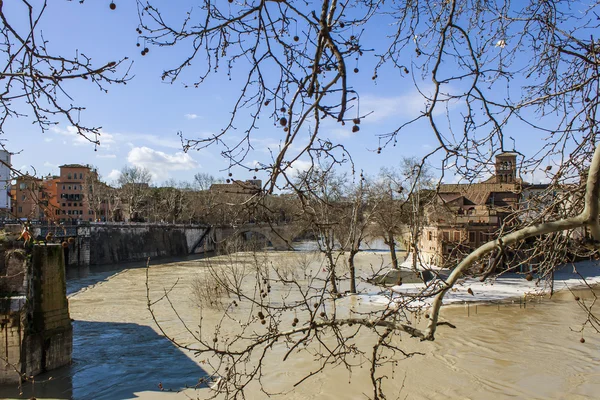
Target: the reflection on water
pixel 496 352
pixel 371 245
pixel 83 278
pixel 114 361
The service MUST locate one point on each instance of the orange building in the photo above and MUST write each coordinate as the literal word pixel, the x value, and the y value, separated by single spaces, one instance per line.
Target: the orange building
pixel 71 190
pixel 26 198
pixel 50 199
pixel 34 198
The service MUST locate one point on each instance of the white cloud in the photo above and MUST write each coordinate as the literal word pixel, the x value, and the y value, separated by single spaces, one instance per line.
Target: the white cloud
pixel 540 175
pixel 298 166
pixel 113 176
pixel 343 132
pixel 169 141
pixel 50 165
pixel 71 136
pixel 253 164
pixel 159 163
pixel 191 116
pixel 409 105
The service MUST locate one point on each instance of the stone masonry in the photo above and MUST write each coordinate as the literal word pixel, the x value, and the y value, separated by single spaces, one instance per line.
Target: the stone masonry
pixel 35 328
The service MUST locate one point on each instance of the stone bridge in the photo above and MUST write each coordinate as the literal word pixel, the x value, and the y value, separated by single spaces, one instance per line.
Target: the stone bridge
pixel 279 235
pixel 115 243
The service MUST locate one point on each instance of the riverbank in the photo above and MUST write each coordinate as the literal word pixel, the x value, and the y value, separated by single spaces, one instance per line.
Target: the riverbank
pixel 509 287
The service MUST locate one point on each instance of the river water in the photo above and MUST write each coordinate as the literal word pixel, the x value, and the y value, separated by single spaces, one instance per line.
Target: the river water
pixel 496 351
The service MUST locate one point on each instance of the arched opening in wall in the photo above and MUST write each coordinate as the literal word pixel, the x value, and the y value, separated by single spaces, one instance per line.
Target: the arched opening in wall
pixel 304 240
pixel 247 241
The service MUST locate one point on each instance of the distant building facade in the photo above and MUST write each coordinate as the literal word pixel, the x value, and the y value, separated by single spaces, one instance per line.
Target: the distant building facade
pixel 72 193
pixel 251 186
pixel 5 187
pixel 466 216
pixel 65 198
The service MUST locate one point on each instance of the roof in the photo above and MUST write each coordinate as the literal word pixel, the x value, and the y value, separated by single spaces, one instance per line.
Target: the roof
pixel 477 193
pixel 75 166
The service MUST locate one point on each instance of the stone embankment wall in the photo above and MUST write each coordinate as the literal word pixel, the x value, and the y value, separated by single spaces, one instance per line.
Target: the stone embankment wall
pixel 115 244
pixel 36 334
pixel 100 244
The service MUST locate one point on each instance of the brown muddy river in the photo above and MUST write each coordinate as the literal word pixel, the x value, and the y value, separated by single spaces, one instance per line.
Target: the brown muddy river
pixel 496 351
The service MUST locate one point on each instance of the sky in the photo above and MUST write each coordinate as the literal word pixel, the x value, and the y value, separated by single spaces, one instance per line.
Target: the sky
pixel 141 120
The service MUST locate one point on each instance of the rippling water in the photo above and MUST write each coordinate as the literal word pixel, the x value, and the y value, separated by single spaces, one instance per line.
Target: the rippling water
pixel 496 352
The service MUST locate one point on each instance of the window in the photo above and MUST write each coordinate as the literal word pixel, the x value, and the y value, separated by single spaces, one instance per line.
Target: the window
pixel 429 236
pixel 446 236
pixel 64 187
pixel 80 204
pixel 472 237
pixel 22 186
pixel 64 204
pixel 69 176
pixel 457 236
pixel 80 175
pixel 69 204
pixel 69 187
pixel 20 209
pixel 23 197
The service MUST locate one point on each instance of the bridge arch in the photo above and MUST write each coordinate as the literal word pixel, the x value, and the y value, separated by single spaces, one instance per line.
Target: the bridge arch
pixel 280 236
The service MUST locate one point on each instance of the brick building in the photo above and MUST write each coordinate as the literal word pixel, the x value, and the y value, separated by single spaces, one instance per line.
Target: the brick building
pixel 467 215
pixel 72 193
pixel 66 198
pixel 26 198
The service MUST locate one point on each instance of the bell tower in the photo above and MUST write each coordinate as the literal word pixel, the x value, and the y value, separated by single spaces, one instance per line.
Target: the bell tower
pixel 506 167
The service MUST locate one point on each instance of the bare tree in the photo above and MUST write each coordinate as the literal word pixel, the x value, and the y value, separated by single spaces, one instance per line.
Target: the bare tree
pixel 203 180
pixel 419 183
pixel 321 191
pixel 98 195
pixel 34 77
pixel 482 68
pixel 387 192
pixel 135 191
pixel 356 215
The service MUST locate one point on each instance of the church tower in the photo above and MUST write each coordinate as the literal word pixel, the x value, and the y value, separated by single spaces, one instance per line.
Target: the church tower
pixel 506 167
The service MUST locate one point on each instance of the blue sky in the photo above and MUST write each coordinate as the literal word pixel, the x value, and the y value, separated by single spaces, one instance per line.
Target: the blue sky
pixel 140 120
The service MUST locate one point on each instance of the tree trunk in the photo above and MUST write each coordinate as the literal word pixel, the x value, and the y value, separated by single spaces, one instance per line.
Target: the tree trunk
pixel 352 272
pixel 334 289
pixel 392 245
